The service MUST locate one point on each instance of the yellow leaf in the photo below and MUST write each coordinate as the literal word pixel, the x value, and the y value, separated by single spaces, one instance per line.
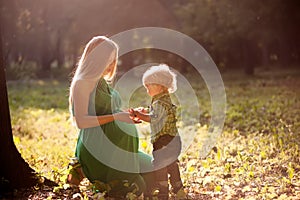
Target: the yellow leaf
pixel 205 164
pixel 191 169
pixel 56 189
pixel 17 140
pixel 219 154
pixel 263 155
pixel 144 144
pixel 251 174
pixel 218 188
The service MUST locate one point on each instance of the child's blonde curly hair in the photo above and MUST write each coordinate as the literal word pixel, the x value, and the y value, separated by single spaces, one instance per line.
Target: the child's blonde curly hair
pixel 161 75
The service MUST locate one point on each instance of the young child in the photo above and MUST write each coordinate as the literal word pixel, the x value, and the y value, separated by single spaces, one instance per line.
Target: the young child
pixel 160 81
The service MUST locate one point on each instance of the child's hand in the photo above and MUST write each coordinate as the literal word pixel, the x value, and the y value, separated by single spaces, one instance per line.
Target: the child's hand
pixel 133 115
pixel 141 110
pixel 132 112
pixel 140 114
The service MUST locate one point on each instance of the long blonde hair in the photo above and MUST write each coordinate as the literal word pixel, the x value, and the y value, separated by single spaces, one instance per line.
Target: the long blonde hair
pixel 99 53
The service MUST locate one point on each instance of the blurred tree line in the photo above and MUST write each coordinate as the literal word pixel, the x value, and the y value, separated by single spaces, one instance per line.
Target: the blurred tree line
pixel 245 33
pixel 44 38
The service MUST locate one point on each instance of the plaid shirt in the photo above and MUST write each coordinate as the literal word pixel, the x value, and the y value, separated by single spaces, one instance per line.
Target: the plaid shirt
pixel 163 116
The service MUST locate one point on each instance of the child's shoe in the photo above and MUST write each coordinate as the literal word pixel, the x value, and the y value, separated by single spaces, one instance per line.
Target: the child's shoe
pixel 181 194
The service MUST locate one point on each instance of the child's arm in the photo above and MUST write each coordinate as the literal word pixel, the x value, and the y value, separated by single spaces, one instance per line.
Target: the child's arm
pixel 143 116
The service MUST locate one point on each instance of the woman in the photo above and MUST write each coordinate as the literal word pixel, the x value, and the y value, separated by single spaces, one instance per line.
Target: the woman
pixel 107 146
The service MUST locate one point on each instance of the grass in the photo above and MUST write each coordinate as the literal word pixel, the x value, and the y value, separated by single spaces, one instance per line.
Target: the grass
pixel 41 125
pixel 256 157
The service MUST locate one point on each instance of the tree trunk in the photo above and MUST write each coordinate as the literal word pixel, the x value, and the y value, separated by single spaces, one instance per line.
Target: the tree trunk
pixel 59 52
pixel 15 173
pixel 265 56
pixel 13 168
pixel 46 51
pixel 248 57
pixel 46 58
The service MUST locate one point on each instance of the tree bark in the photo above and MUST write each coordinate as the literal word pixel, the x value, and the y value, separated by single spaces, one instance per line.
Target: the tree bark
pixel 59 54
pixel 248 56
pixel 15 173
pixel 13 168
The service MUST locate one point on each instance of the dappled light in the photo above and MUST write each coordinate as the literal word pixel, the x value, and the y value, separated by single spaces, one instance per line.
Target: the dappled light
pixel 256 156
pixel 238 106
pixel 47 37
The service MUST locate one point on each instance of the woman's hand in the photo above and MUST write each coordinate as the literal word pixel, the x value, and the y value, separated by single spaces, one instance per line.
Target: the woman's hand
pixel 126 117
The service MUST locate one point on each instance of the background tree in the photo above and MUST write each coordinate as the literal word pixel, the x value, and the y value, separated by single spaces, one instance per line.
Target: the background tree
pixel 50 34
pixel 43 37
pixel 243 33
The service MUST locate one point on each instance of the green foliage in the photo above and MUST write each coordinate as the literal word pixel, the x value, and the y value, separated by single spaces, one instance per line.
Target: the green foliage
pixel 41 125
pixel 257 156
pixel 226 27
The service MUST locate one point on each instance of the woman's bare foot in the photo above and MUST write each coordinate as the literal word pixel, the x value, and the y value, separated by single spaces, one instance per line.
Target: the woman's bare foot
pixel 75 175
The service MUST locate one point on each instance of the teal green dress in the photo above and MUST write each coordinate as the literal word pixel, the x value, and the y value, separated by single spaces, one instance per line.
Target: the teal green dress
pixel 109 153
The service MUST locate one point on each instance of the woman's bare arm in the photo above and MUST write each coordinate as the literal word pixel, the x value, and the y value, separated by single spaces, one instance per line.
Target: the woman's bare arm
pixel 81 97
